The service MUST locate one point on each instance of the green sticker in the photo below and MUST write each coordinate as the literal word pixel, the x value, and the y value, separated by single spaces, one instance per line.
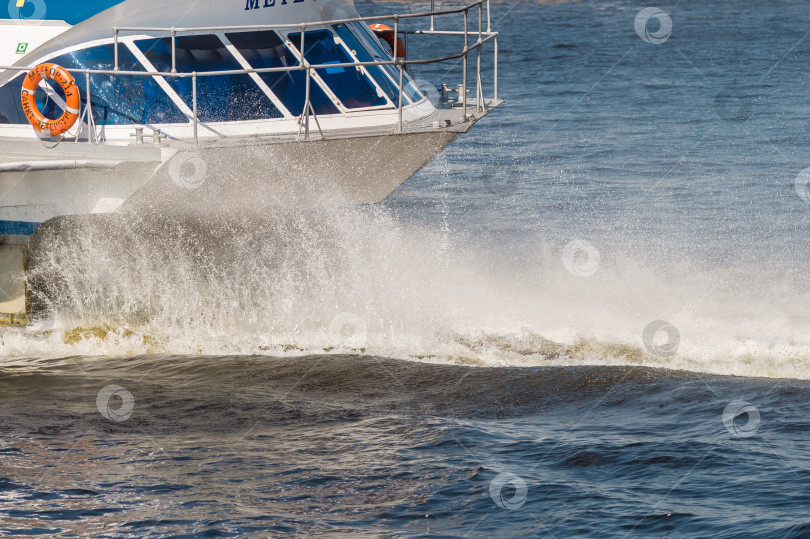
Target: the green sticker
pixel 21 48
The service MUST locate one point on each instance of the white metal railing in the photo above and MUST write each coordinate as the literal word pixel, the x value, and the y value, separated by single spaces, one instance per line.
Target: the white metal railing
pixel 483 37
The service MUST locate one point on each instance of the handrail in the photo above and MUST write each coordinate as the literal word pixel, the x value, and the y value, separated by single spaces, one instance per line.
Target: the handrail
pixel 181 74
pixel 483 38
pixel 189 74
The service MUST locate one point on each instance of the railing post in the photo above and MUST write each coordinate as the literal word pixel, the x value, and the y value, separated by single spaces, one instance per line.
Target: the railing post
pixel 194 104
pixel 432 9
pixel 91 127
pixel 174 54
pixel 466 53
pixel 396 35
pixel 307 105
pixel 489 20
pixel 303 48
pixel 479 91
pixel 495 90
pixel 304 65
pixel 115 40
pixel 401 89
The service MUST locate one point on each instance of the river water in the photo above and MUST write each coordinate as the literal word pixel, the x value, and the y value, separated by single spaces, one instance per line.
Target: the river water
pixel 589 316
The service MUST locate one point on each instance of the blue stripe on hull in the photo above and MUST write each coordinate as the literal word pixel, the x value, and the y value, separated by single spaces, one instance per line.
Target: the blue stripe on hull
pixel 18 228
pixel 60 10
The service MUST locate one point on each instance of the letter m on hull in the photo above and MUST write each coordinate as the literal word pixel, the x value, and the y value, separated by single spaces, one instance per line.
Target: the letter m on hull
pixel 251 4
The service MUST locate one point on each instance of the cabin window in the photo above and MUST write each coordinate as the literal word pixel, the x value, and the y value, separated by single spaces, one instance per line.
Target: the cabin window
pixel 372 44
pixel 264 50
pixel 389 85
pixel 10 97
pixel 220 98
pixel 349 84
pixel 10 112
pixel 117 100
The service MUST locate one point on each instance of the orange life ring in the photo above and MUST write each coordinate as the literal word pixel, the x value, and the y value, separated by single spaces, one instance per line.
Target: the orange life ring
pixel 29 101
pixel 386 33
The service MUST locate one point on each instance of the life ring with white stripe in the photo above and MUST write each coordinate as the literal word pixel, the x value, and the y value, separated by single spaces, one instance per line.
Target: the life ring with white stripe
pixel 61 76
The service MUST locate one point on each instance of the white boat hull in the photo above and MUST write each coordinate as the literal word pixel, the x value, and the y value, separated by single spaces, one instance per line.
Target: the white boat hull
pixel 252 176
pixel 258 177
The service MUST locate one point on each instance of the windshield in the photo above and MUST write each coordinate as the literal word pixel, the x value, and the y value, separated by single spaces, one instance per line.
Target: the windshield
pixel 116 100
pixel 351 86
pixel 266 50
pixel 220 98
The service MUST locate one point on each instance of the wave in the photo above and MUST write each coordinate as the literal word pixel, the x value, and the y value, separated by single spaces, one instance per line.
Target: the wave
pixel 357 280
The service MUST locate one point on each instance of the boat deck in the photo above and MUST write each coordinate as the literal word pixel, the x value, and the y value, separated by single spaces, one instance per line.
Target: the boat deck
pixel 26 155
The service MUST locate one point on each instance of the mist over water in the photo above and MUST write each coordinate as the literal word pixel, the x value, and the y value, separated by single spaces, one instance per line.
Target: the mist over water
pixel 683 179
pixel 675 172
pixel 362 280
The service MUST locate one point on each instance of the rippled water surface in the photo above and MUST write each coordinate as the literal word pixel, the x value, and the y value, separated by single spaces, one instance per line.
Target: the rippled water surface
pixel 589 316
pixel 351 445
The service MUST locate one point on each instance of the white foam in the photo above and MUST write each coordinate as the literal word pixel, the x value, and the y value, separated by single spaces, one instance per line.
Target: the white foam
pixel 360 281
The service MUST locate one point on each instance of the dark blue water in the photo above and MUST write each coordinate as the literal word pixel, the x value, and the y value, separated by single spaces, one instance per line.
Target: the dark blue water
pixel 588 317
pixel 351 445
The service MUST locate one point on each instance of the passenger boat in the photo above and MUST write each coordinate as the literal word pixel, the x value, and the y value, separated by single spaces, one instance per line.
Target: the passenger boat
pixel 217 106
